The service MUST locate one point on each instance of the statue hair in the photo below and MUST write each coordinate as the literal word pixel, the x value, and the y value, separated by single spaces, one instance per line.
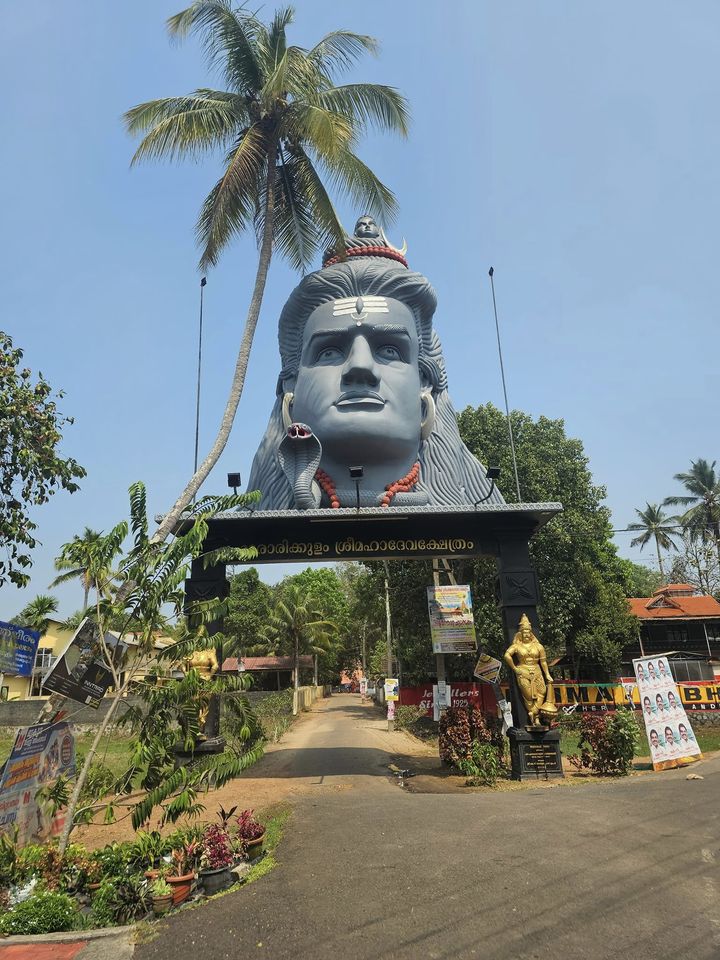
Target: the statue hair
pixel 449 473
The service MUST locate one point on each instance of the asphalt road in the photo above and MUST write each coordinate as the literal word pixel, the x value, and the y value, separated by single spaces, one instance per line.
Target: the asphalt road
pixel 369 870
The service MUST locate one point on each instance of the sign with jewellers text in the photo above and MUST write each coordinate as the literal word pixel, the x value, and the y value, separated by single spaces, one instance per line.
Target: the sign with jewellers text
pixel 39 756
pixel 669 732
pixel 18 647
pixel 452 628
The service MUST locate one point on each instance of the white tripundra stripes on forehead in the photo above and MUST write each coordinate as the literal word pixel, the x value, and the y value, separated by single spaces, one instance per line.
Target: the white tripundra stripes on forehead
pixel 354 306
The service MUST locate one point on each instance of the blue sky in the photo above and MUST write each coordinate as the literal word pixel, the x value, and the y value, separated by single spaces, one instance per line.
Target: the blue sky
pixel 574 146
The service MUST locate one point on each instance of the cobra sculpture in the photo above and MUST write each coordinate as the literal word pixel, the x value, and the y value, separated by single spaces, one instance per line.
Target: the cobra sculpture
pixel 299 454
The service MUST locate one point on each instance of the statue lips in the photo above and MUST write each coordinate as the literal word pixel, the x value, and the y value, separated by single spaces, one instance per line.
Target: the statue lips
pixel 360 398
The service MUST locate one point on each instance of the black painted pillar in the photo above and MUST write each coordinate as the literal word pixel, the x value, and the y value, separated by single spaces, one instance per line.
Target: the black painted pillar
pixel 208 584
pixel 517 594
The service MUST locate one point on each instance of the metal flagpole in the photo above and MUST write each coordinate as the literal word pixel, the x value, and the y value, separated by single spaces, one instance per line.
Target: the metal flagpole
pixel 203 281
pixel 491 273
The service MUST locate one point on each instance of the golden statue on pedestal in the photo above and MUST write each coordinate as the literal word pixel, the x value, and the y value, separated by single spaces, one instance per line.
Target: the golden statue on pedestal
pixel 206 664
pixel 526 658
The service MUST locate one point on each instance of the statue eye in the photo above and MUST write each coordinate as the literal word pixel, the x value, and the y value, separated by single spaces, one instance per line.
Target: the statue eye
pixel 388 352
pixel 329 355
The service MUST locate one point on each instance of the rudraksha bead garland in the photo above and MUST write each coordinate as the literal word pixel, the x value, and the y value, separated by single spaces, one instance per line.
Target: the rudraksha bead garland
pixel 403 485
pixel 369 252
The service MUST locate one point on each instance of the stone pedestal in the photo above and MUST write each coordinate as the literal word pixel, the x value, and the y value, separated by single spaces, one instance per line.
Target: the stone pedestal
pixel 202 749
pixel 535 754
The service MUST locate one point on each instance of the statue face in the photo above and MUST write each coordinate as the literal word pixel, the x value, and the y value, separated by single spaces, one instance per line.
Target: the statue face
pixel 358 385
pixel 366 227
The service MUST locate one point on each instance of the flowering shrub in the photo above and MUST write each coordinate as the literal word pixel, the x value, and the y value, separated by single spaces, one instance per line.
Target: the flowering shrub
pixel 217 850
pixel 248 828
pixel 460 727
pixel 44 912
pixel 607 742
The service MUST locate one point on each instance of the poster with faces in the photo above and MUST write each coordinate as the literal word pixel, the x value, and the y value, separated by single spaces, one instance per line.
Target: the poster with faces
pixel 669 732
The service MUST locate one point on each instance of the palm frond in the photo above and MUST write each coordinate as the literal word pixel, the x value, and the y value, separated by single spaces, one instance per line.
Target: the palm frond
pixel 351 177
pixel 339 50
pixel 229 39
pixel 369 105
pixel 230 206
pixel 185 126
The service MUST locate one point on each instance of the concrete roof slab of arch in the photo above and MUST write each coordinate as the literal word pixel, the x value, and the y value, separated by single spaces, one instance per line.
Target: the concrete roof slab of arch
pixel 376 533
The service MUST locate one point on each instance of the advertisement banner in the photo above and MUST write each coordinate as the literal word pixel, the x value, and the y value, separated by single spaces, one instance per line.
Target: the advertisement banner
pixel 487 668
pixel 669 732
pixel 39 756
pixel 452 628
pixel 18 647
pixel 76 677
pixel 392 689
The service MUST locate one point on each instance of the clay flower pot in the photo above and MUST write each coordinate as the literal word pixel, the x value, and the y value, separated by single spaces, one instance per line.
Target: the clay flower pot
pixel 255 846
pixel 161 905
pixel 181 887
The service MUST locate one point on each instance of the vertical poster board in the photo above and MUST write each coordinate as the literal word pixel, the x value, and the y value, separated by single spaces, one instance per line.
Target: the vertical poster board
pixel 39 756
pixel 669 732
pixel 452 628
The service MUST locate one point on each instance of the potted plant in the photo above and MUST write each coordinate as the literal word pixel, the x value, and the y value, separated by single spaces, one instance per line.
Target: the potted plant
pixel 251 832
pixel 217 858
pixel 162 896
pixel 182 871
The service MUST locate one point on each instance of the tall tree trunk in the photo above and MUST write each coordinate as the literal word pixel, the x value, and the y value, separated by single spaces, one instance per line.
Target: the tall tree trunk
pixel 296 695
pixel 80 782
pixel 657 547
pixel 238 382
pixel 56 701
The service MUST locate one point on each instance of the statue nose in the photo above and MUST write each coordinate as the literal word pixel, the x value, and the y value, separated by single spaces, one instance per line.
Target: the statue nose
pixel 360 364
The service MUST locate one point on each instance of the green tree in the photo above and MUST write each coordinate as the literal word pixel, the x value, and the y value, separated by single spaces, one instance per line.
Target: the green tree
pixel 153 603
pixel 583 607
pixel 323 589
pixel 697 563
pixel 655 525
pixel 702 516
pixel 37 614
pixel 639 580
pixel 284 127
pixel 297 627
pixel 78 560
pixel 248 609
pixel 31 469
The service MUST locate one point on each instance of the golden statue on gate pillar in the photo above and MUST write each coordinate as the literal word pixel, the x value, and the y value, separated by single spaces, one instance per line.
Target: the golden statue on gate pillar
pixel 526 658
pixel 206 664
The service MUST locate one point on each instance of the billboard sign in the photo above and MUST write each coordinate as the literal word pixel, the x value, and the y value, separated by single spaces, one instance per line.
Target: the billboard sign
pixel 81 673
pixel 39 756
pixel 18 647
pixel 452 628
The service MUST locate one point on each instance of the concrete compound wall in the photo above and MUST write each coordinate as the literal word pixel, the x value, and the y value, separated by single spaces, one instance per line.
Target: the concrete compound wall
pixel 23 713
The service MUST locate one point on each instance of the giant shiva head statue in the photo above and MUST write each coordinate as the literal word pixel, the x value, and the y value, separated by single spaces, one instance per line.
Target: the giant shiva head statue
pixel 363 385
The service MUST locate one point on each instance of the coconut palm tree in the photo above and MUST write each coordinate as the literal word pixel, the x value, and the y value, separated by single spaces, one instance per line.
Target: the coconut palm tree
pixel 77 559
pixel 657 526
pixel 286 130
pixel 38 613
pixel 702 518
pixel 296 626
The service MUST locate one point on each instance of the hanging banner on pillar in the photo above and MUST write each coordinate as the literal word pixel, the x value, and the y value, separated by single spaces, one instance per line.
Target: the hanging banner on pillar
pixel 669 732
pixel 487 668
pixel 452 628
pixel 82 673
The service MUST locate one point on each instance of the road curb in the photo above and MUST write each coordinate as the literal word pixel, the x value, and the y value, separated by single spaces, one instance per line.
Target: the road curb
pixel 68 936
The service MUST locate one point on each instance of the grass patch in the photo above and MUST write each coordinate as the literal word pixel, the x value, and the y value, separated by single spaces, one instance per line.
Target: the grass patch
pixel 708 740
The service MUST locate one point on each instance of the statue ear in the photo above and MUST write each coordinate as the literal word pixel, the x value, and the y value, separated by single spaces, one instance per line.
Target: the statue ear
pixel 428 414
pixel 287 401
